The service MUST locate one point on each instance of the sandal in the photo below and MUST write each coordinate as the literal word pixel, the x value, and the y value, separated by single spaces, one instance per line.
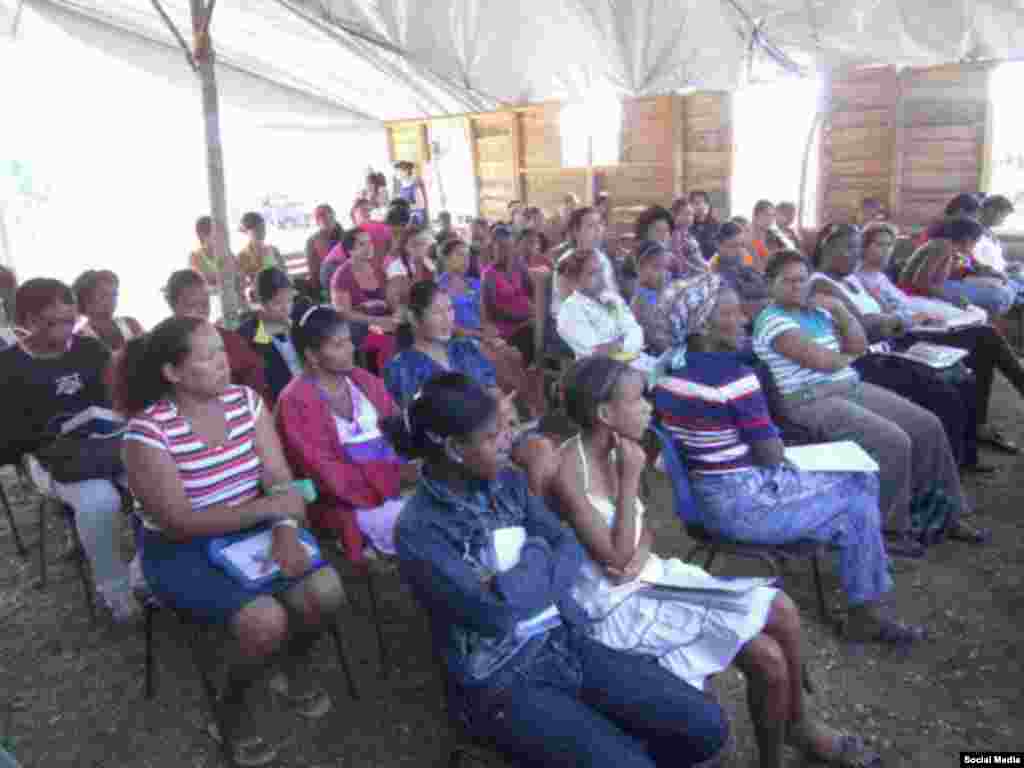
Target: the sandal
pixel 994 438
pixel 846 750
pixel 248 752
pixel 888 632
pixel 312 704
pixel 964 532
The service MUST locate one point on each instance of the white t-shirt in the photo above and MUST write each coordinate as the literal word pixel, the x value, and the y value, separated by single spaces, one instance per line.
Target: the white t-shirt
pixel 584 323
pixel 989 251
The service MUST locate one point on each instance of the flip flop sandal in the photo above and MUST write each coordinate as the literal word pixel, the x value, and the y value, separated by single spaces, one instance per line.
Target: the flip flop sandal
pixel 249 752
pixel 963 532
pixel 312 705
pixel 888 632
pixel 848 752
pixel 996 439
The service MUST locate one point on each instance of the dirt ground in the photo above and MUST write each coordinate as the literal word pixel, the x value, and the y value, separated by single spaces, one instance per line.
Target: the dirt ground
pixel 73 695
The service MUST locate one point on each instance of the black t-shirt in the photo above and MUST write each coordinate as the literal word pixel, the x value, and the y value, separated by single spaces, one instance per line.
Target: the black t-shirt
pixel 37 395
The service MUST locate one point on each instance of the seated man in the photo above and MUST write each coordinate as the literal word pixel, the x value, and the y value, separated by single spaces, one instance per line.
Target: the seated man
pixel 48 379
pixel 597 321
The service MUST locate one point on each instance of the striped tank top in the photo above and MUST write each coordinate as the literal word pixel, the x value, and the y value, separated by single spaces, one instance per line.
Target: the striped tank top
pixel 226 474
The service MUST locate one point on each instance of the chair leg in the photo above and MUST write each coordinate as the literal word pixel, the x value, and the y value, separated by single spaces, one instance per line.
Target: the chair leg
pixel 42 542
pixel 18 543
pixel 84 569
pixel 382 646
pixel 149 615
pixel 226 744
pixel 822 606
pixel 335 631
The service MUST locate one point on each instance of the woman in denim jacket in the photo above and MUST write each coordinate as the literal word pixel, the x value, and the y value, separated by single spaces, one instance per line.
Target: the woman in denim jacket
pixel 494 569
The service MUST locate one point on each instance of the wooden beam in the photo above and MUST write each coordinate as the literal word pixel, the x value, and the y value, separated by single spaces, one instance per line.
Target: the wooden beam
pixel 677 114
pixel 517 156
pixel 899 151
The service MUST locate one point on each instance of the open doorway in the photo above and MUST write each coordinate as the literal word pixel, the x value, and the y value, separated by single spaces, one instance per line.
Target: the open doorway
pixel 771 124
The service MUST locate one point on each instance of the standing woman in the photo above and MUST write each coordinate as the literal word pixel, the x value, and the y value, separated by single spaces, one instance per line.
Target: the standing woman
pixel 96 294
pixel 412 189
pixel 495 570
pixel 328 419
pixel 269 329
pixel 202 456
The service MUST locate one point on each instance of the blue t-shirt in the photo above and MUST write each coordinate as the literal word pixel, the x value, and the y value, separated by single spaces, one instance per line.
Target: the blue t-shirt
pixel 466 306
pixel 407 371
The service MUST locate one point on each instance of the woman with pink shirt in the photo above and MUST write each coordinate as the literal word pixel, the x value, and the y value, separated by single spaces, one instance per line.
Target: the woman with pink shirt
pixel 507 295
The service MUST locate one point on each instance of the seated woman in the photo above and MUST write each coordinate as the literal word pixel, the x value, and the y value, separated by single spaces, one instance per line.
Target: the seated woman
pixel 268 330
pixel 464 292
pixel 651 276
pixel 585 233
pixel 535 251
pixel 713 406
pixel 257 254
pixel 359 293
pixel 96 294
pixel 987 349
pixel 731 264
pixel 328 419
pixel 495 571
pixel 429 347
pixel 508 295
pixel 189 296
pixel 203 458
pixel 684 245
pixel 808 350
pixel 595 320
pixel 950 274
pixel 951 399
pixel 597 492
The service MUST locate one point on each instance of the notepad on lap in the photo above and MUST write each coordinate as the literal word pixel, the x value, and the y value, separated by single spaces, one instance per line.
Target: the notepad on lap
pixel 936 356
pixel 247 558
pixel 842 456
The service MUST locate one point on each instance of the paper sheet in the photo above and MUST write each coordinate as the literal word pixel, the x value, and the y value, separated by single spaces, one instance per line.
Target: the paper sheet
pixel 842 456
pixel 251 554
pixel 676 574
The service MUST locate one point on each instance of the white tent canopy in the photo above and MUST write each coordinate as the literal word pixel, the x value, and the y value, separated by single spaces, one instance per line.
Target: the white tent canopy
pixel 326 62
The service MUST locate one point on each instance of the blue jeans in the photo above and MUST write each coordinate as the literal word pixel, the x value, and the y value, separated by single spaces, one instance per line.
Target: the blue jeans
pixel 579 703
pixel 994 299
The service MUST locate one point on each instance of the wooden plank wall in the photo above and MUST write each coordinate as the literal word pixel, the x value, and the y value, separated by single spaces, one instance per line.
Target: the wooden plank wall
pixel 708 146
pixel 670 144
pixel 913 139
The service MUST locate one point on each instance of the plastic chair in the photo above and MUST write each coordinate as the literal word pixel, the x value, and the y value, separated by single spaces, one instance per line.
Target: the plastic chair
pixel 46 487
pixel 688 511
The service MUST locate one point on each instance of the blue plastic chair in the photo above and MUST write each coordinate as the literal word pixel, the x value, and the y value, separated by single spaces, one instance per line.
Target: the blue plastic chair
pixel 693 520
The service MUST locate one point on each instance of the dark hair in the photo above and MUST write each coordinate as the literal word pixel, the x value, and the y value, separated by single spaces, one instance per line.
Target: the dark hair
pixel 313 326
pixel 828 235
pixel 8 289
pixel 700 194
pixel 742 220
pixel 576 219
pixel 647 219
pixel 204 226
pixel 404 165
pixel 781 260
pixel 179 282
pixel 872 231
pixel 648 250
pixel 786 205
pixel 448 405
pixel 763 205
pixel 998 203
pixel 589 383
pixel 85 285
pixel 727 231
pixel 450 245
pixel 348 239
pixel 679 203
pixel 421 296
pixel 376 179
pixel 964 204
pixel 270 282
pixel 251 220
pixel 322 210
pixel 399 213
pixel 958 229
pixel 34 296
pixel 138 374
pixel 410 232
pixel 773 239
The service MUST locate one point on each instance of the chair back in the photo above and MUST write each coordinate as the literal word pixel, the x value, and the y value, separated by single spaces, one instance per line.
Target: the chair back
pixel 685 506
pixel 542 287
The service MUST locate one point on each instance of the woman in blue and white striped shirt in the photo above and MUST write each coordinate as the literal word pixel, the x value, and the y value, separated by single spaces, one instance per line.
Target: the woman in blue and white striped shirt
pixel 808 349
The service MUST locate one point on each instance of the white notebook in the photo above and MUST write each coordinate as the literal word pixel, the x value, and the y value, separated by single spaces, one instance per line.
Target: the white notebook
pixel 842 456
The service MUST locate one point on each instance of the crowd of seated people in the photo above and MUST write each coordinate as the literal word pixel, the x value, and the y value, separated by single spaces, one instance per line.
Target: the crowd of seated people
pixel 527 556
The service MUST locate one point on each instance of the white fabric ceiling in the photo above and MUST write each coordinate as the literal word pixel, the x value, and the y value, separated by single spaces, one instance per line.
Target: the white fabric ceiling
pixel 332 62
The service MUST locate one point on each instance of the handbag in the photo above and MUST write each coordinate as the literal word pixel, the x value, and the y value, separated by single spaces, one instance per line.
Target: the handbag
pixel 75 459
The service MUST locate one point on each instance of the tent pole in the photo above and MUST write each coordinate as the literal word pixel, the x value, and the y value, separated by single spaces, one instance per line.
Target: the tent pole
pixel 204 58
